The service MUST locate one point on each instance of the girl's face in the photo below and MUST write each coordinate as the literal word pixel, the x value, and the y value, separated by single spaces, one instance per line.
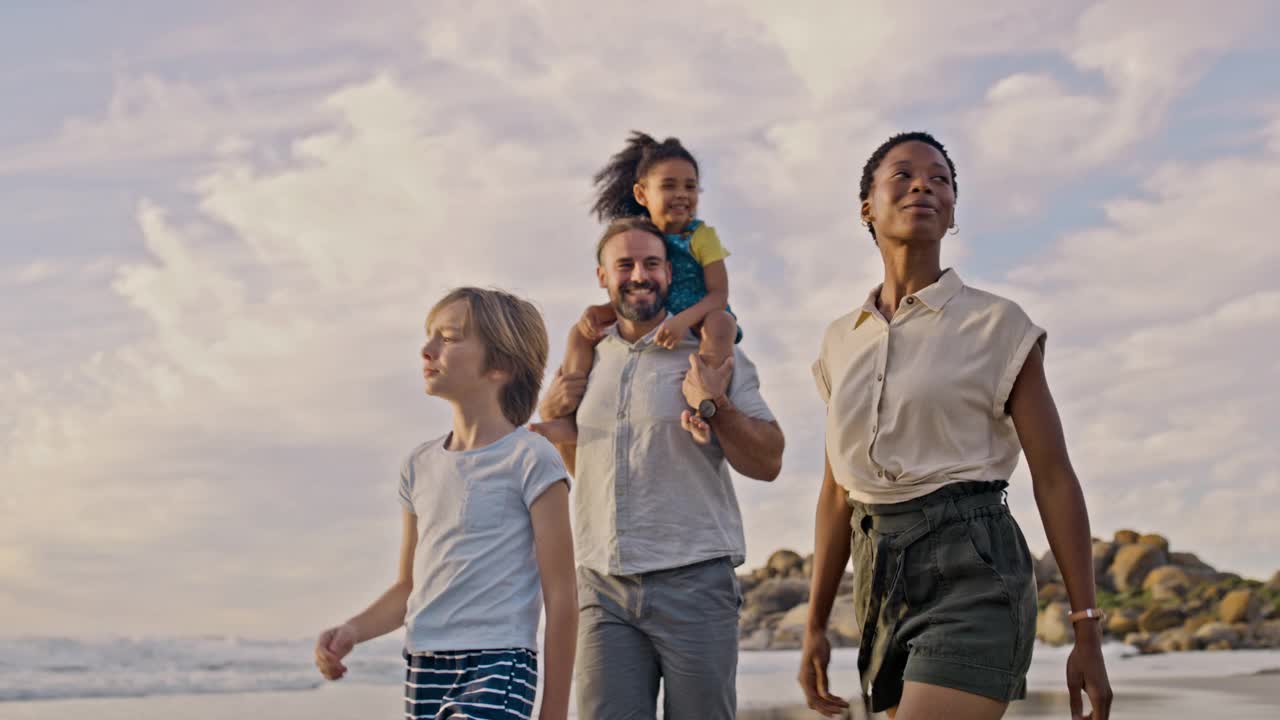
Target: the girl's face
pixel 669 191
pixel 911 194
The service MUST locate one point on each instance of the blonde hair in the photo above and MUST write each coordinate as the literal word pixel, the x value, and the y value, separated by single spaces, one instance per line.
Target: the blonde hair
pixel 515 341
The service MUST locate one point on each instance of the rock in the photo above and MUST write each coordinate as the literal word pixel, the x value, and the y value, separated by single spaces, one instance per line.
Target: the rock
pixel 1167 582
pixel 1126 537
pixel 1267 634
pixel 1103 553
pixel 843 627
pixel 1157 540
pixel 1140 641
pixel 777 595
pixel 1274 582
pixel 747 583
pixel 1175 640
pixel 1047 569
pixel 846 585
pixel 1122 622
pixel 1132 563
pixel 1052 625
pixel 1214 633
pixel 785 563
pixel 1196 622
pixel 758 640
pixel 1157 619
pixel 1192 564
pixel 1242 605
pixel 1220 645
pixel 1053 592
pixel 807 566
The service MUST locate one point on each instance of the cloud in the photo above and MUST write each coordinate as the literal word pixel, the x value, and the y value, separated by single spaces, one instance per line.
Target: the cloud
pixel 241 428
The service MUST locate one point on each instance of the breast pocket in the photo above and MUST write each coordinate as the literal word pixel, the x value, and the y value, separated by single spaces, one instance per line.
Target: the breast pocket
pixel 664 400
pixel 487 506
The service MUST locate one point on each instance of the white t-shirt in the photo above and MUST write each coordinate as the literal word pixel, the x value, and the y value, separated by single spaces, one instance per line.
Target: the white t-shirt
pixel 475 575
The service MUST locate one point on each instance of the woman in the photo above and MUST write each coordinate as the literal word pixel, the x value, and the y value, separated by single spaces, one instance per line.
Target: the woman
pixel 932 390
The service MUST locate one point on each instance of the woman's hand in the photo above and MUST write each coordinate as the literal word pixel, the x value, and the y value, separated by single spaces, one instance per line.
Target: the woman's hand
pixel 814 659
pixel 1087 671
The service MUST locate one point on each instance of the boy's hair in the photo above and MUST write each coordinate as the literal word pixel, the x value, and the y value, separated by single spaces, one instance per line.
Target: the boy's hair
pixel 515 341
pixel 615 182
pixel 624 224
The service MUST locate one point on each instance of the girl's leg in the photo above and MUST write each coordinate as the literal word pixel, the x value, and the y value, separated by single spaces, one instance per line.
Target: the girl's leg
pixel 921 701
pixel 719 330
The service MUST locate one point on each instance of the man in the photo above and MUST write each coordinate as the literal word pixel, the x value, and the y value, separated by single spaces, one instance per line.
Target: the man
pixel 658 531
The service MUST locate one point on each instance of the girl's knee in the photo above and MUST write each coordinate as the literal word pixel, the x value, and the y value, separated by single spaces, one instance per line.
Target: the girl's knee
pixel 720 322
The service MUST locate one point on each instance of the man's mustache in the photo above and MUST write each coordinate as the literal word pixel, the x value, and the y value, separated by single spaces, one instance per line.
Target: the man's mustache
pixel 634 286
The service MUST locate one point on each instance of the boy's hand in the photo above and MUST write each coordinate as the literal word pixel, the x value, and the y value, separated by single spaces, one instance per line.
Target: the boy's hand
pixel 696 426
pixel 563 395
pixel 331 647
pixel 671 332
pixel 595 320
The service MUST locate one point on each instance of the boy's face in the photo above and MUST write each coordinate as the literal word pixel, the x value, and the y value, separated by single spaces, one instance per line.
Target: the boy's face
pixel 453 357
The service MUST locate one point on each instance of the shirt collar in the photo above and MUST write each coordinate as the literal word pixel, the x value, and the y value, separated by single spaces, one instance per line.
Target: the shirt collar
pixel 935 297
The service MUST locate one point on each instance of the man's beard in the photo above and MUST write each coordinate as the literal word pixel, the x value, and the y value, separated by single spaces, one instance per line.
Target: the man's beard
pixel 639 312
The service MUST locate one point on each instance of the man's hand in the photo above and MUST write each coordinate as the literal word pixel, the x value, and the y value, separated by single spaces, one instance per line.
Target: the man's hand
pixel 704 382
pixel 563 395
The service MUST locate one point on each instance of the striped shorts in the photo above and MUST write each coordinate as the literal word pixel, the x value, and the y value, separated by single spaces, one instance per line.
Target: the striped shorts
pixel 480 684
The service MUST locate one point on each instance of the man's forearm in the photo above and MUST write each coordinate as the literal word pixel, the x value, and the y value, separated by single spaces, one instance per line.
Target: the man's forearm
pixel 752 446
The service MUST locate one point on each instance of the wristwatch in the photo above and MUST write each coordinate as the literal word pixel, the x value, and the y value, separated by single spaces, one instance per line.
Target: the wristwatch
pixel 707 409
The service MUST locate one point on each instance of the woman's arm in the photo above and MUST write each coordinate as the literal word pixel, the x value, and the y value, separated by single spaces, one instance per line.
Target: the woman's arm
pixel 830 557
pixel 384 615
pixel 1066 524
pixel 553 543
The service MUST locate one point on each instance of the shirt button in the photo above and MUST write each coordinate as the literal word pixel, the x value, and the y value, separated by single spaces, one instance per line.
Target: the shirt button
pixel 911 301
pixel 874 429
pixel 879 473
pixel 879 377
pixel 622 415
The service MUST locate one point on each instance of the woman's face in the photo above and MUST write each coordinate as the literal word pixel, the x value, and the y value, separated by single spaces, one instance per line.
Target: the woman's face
pixel 669 191
pixel 911 194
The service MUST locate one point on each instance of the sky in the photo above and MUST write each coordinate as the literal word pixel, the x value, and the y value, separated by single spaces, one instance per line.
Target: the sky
pixel 221 227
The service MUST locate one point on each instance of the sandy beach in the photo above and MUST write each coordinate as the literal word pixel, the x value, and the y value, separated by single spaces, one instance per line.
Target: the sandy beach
pixel 1239 685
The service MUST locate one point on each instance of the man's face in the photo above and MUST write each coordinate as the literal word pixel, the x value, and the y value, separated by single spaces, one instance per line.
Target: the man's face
pixel 634 267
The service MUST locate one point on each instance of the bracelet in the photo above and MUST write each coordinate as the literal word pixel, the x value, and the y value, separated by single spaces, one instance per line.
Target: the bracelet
pixel 1087 614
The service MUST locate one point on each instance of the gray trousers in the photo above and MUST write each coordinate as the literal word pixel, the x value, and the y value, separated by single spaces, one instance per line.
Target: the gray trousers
pixel 679 626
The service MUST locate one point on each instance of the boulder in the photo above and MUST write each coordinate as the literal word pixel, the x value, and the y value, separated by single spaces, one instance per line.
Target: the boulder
pixel 843 627
pixel 1052 625
pixel 807 566
pixel 1175 640
pixel 1215 633
pixel 1126 537
pixel 785 563
pixel 1192 564
pixel 747 583
pixel 1195 622
pixel 1157 619
pixel 1243 605
pixel 1047 569
pixel 1132 563
pixel 1267 634
pixel 1274 582
pixel 1053 592
pixel 757 640
pixel 1103 553
pixel 1122 622
pixel 1154 539
pixel 776 595
pixel 1167 582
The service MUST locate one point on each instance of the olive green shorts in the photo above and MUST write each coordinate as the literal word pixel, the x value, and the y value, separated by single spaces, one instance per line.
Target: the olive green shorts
pixel 945 587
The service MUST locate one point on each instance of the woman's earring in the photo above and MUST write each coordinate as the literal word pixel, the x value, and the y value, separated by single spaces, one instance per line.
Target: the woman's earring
pixel 954 229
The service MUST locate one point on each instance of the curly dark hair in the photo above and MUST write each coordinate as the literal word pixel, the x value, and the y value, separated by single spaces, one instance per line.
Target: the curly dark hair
pixel 614 182
pixel 877 157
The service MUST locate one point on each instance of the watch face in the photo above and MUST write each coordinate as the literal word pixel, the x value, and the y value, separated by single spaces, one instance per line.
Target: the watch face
pixel 707 408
